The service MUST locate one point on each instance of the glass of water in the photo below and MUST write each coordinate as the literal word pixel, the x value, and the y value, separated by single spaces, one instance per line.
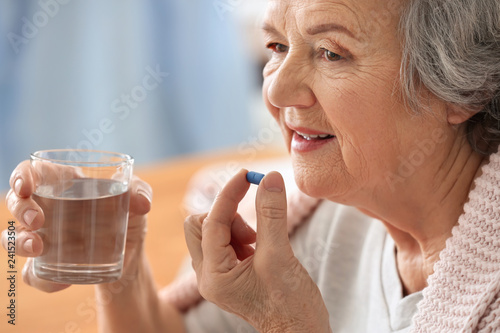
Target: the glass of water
pixel 84 196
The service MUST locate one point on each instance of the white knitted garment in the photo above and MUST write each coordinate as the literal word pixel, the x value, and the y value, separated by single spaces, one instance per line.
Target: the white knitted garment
pixel 463 294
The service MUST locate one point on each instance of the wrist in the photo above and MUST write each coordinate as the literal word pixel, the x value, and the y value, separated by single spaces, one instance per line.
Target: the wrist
pixel 129 303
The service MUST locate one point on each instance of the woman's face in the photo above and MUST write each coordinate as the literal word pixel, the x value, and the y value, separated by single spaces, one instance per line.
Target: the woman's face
pixel 331 83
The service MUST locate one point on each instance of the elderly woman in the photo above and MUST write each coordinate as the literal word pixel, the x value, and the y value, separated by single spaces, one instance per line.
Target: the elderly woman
pixel 391 113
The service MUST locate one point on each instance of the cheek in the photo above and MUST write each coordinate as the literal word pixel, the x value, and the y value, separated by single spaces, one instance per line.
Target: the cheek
pixel 367 119
pixel 364 106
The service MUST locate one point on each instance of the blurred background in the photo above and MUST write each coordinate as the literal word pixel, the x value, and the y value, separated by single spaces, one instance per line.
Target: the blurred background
pixel 152 78
pixel 157 79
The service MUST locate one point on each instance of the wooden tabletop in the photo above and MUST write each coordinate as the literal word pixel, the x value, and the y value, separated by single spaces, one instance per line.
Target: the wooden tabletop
pixel 73 310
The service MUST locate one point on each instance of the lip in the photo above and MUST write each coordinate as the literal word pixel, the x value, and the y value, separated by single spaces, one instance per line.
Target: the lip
pixel 306 130
pixel 302 145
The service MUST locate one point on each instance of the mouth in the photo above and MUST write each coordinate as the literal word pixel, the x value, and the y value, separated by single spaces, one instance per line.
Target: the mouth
pixel 311 141
pixel 310 137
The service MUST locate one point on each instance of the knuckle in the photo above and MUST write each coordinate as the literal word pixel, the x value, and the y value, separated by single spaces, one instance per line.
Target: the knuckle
pixel 192 224
pixel 19 171
pixel 188 222
pixel 225 197
pixel 13 203
pixel 272 212
pixel 195 220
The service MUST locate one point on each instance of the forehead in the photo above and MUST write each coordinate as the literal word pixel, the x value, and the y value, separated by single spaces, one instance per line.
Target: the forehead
pixel 356 7
pixel 359 16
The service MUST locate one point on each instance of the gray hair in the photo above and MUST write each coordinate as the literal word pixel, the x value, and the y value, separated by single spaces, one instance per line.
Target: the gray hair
pixel 452 48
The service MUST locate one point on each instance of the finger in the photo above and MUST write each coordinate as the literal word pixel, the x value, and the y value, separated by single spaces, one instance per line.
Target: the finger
pixel 21 180
pixel 31 279
pixel 192 232
pixel 218 253
pixel 270 206
pixel 27 244
pixel 28 174
pixel 242 251
pixel 141 195
pixel 241 236
pixel 53 174
pixel 242 232
pixel 226 203
pixel 25 210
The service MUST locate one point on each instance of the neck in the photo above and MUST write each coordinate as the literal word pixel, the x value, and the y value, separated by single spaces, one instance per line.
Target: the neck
pixel 420 218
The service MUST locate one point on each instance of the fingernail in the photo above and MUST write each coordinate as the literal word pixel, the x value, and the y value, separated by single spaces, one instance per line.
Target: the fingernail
pixel 18 185
pixel 28 246
pixel 29 216
pixel 273 184
pixel 144 194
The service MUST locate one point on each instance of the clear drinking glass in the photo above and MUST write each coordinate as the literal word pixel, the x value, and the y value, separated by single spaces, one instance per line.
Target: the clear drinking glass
pixel 84 196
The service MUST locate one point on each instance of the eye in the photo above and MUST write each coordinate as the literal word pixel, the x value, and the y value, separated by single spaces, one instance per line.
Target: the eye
pixel 331 56
pixel 277 47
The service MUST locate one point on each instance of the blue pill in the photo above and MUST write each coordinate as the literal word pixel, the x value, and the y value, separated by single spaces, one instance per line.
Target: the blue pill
pixel 254 177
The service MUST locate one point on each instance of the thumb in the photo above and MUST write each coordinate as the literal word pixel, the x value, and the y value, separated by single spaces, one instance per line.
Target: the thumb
pixel 270 206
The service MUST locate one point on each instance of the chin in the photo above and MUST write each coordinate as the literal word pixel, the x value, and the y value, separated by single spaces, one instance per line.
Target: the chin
pixel 323 185
pixel 316 187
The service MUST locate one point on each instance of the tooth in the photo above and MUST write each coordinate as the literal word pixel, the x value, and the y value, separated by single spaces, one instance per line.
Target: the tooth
pixel 313 136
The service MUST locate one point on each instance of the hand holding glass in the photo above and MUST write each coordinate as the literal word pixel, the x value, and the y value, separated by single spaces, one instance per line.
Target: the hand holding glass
pixel 84 196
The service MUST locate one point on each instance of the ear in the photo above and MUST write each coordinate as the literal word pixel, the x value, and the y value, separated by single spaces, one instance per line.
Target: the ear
pixel 457 115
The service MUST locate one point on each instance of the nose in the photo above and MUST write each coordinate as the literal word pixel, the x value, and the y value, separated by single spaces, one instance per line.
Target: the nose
pixel 290 84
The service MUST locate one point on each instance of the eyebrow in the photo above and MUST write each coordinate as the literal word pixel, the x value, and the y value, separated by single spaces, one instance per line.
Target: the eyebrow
pixel 270 29
pixel 318 29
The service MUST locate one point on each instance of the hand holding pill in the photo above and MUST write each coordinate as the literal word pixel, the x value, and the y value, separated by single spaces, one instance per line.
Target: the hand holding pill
pixel 229 269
